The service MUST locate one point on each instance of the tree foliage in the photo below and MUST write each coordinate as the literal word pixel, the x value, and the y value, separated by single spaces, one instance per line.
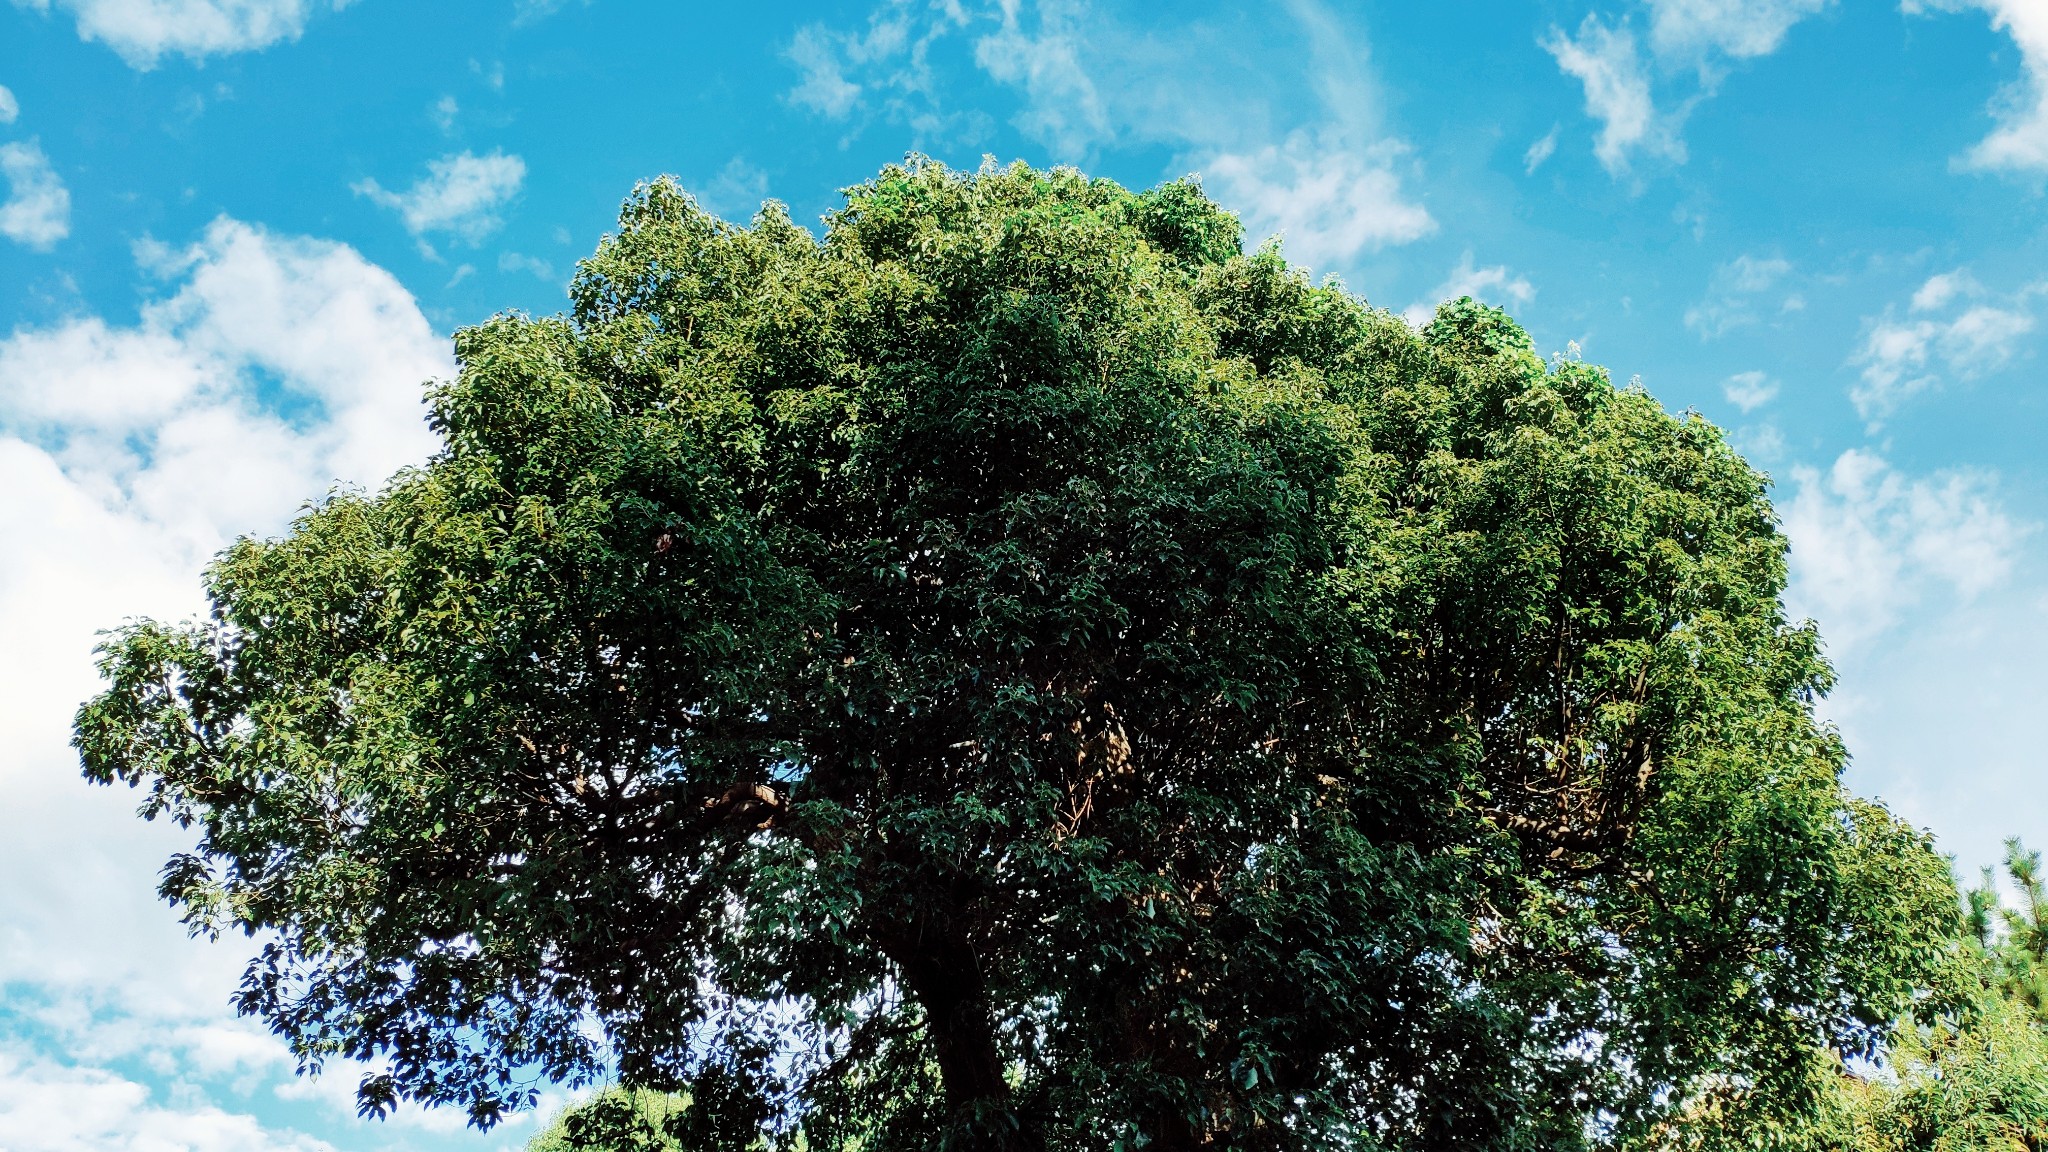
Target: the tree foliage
pixel 1020 671
pixel 1973 1080
pixel 2014 940
pixel 1975 1084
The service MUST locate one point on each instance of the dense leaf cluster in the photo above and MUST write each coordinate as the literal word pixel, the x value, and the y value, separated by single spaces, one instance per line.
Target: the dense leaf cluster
pixel 1019 671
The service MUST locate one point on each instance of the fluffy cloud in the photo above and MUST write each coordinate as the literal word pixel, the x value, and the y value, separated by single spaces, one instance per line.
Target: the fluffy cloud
pixel 1952 326
pixel 459 196
pixel 1035 46
pixel 2020 143
pixel 1869 543
pixel 1493 284
pixel 9 107
pixel 520 262
pixel 1738 28
pixel 266 370
pixel 1734 292
pixel 1329 202
pixel 46 1107
pixel 1606 61
pixel 1542 150
pixel 145 31
pixel 37 211
pixel 1749 391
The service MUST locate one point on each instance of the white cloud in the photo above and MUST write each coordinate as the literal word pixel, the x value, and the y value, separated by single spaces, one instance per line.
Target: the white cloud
pixel 1738 28
pixel 121 408
pixel 1731 301
pixel 460 195
pixel 518 262
pixel 445 112
pixel 1087 78
pixel 1606 61
pixel 1927 590
pixel 1493 284
pixel 268 368
pixel 1696 35
pixel 738 189
pixel 144 31
pixel 10 108
pixel 1761 443
pixel 1869 543
pixel 890 57
pixel 1952 331
pixel 2020 142
pixel 1752 274
pixel 1939 290
pixel 1749 391
pixel 1540 151
pixel 38 207
pixel 526 12
pixel 47 1107
pixel 1329 202
pixel 824 87
pixel 1064 111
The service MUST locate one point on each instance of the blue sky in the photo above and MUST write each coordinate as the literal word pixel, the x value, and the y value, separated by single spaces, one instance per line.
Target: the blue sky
pixel 237 234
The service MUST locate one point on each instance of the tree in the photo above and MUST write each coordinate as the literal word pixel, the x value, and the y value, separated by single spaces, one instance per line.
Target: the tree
pixel 2014 941
pixel 1975 1078
pixel 1020 671
pixel 1978 1083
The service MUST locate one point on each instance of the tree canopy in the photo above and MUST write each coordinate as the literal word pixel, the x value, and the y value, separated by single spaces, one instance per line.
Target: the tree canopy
pixel 1021 671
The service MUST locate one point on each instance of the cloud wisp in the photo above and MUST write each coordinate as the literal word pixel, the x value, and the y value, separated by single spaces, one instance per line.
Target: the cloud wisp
pixel 526 12
pixel 1494 284
pixel 460 196
pixel 1749 391
pixel 1736 295
pixel 1606 61
pixel 47 1107
pixel 1333 184
pixel 1691 44
pixel 1063 107
pixel 37 211
pixel 143 32
pixel 1327 203
pixel 1698 30
pixel 1952 328
pixel 883 69
pixel 1870 543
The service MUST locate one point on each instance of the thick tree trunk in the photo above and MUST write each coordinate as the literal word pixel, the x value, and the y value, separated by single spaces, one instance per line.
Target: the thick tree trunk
pixel 949 986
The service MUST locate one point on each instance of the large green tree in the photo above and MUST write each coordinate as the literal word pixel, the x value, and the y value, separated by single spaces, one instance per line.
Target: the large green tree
pixel 1020 671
